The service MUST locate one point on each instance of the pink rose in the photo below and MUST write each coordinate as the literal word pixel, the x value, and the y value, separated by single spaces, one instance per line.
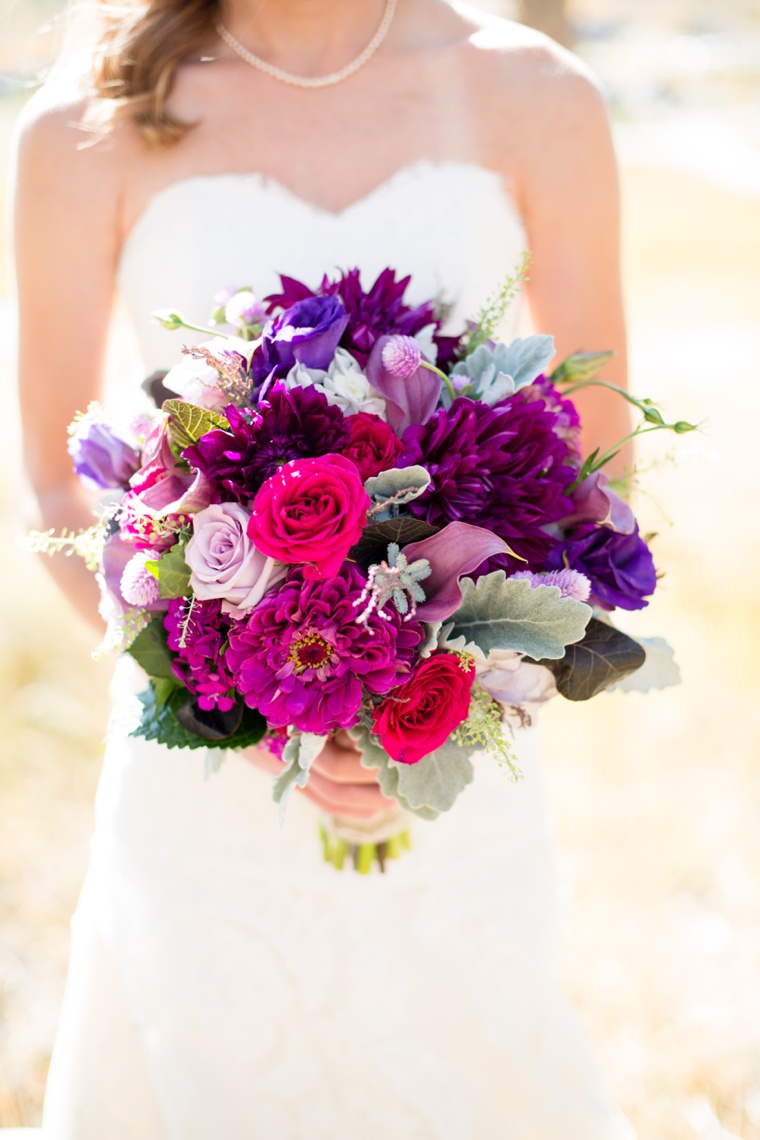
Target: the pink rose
pixel 223 561
pixel 420 715
pixel 311 511
pixel 372 445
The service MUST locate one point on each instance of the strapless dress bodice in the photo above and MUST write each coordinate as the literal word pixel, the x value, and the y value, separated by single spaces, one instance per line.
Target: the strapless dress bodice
pixel 451 225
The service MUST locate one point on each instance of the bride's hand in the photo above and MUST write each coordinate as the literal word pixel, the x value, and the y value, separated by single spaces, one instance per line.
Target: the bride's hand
pixel 338 782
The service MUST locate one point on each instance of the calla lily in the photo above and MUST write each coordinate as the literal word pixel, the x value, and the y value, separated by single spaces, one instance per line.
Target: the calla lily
pixel 594 502
pixel 410 400
pixel 177 494
pixel 456 550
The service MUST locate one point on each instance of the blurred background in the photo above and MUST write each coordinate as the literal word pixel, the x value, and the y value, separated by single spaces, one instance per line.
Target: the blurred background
pixel 656 798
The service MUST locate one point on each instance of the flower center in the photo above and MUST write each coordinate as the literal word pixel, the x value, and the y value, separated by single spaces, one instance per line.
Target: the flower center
pixel 310 651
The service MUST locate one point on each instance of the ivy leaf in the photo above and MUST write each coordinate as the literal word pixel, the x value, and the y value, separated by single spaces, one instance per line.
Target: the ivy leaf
pixel 162 724
pixel 508 613
pixel 373 544
pixel 173 573
pixel 188 422
pixel 603 657
pixel 151 651
pixel 374 756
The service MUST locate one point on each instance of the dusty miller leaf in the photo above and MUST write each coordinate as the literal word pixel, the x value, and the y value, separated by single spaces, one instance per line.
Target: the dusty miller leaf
pixel 374 756
pixel 436 780
pixel 659 670
pixel 299 754
pixel 402 484
pixel 508 613
pixel 603 657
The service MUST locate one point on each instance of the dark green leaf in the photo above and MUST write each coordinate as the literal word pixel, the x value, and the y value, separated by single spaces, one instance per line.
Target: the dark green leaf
pixel 151 652
pixel 173 573
pixel 163 724
pixel 187 423
pixel 373 544
pixel 603 657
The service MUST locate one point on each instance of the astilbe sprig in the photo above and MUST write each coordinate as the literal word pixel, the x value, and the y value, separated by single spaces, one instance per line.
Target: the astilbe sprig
pixel 487 322
pixel 485 726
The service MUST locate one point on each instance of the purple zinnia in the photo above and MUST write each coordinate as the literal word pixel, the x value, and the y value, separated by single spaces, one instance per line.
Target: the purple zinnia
pixel 619 566
pixel 198 641
pixel 295 424
pixel 302 658
pixel 378 312
pixel 503 468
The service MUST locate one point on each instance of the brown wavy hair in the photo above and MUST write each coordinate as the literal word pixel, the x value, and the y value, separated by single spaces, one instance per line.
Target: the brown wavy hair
pixel 135 63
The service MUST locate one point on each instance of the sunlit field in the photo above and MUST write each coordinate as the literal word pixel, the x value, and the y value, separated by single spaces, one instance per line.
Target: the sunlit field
pixel 656 798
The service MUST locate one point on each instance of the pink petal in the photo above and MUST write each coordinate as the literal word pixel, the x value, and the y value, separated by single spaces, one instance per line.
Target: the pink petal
pixel 178 494
pixel 456 550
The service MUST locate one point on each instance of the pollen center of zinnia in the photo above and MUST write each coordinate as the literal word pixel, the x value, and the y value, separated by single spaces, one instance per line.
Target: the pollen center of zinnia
pixel 310 651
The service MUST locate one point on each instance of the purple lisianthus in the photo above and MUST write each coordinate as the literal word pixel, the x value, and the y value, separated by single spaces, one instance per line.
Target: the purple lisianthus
pixel 307 333
pixel 619 566
pixel 103 460
pixel 503 468
pixel 302 658
pixel 377 312
pixel 198 641
pixel 295 424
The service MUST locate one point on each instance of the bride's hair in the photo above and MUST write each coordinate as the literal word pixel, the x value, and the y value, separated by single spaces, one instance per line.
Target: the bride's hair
pixel 134 50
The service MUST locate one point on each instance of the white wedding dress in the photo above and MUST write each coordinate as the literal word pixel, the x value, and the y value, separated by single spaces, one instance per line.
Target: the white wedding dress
pixel 227 984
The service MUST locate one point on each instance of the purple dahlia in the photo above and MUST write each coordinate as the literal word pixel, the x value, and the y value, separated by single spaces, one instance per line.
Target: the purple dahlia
pixel 295 424
pixel 503 468
pixel 199 641
pixel 301 657
pixel 619 566
pixel 378 312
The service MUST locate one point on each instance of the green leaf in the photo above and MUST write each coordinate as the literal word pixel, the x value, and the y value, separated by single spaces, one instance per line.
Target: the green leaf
pixel 508 613
pixel 436 780
pixel 374 756
pixel 163 725
pixel 400 484
pixel 579 367
pixel 173 573
pixel 603 657
pixel 373 544
pixel 151 651
pixel 163 688
pixel 659 670
pixel 188 422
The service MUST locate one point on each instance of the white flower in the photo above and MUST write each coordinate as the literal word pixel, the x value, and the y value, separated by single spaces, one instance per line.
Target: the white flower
pixel 344 384
pixel 197 381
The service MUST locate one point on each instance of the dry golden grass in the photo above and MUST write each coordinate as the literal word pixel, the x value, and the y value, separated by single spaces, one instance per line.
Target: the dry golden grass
pixel 656 798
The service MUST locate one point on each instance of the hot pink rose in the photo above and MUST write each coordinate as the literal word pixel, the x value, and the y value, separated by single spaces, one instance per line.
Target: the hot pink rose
pixel 311 512
pixel 419 715
pixel 372 445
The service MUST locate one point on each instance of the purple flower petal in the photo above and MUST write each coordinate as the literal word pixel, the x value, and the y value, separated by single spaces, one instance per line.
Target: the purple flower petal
pixel 456 550
pixel 178 494
pixel 410 400
pixel 594 502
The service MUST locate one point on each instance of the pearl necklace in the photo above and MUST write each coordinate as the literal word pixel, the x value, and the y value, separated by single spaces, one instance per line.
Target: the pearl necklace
pixel 319 80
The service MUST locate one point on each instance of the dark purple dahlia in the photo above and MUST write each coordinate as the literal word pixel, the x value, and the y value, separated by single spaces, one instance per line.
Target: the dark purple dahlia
pixel 378 312
pixel 200 663
pixel 620 566
pixel 503 468
pixel 301 657
pixel 295 424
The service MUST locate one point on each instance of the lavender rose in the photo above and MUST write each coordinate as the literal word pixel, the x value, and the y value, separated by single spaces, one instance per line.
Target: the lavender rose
pixel 620 566
pixel 307 333
pixel 224 562
pixel 102 459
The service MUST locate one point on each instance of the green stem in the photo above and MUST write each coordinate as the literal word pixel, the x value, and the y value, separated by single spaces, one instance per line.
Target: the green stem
pixel 607 455
pixel 432 368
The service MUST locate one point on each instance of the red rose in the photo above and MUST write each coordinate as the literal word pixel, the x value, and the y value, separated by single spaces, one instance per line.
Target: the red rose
pixel 311 511
pixel 419 715
pixel 372 445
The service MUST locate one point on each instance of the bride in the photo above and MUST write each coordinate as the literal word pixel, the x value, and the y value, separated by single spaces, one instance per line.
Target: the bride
pixel 224 982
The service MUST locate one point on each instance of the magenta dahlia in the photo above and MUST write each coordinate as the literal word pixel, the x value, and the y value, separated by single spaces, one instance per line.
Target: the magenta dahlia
pixel 302 658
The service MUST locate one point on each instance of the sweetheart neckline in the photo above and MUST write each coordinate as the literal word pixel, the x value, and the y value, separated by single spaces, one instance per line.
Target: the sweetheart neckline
pixel 269 184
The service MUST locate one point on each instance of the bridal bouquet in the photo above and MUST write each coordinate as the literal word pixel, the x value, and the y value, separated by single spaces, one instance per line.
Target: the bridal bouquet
pixel 341 518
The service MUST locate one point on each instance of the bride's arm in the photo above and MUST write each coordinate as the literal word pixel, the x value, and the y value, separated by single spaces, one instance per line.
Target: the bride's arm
pixel 65 227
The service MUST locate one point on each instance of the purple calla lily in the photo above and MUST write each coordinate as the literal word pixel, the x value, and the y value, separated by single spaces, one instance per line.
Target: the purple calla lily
pixel 177 494
pixel 456 550
pixel 410 400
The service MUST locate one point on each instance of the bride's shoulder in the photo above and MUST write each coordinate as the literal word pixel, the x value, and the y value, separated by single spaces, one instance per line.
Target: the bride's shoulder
pixel 517 71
